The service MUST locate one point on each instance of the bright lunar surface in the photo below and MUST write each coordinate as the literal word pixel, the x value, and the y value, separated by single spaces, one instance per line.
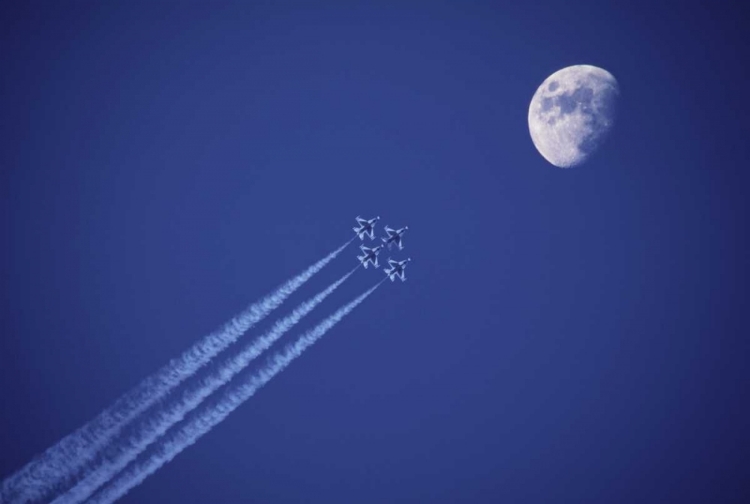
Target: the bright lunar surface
pixel 572 112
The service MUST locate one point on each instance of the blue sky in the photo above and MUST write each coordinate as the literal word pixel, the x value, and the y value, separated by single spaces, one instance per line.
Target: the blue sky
pixel 564 335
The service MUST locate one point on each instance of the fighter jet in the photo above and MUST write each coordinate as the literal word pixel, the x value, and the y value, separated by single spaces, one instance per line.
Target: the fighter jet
pixel 366 227
pixel 369 255
pixel 394 236
pixel 396 269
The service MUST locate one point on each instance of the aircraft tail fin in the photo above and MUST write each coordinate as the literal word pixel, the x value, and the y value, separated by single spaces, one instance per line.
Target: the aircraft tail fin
pixel 363 260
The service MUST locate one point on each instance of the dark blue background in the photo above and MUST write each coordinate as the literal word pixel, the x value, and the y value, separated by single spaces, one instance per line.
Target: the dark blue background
pixel 564 335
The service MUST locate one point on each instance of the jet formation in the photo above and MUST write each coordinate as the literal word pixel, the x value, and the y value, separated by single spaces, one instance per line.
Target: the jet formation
pixel 366 227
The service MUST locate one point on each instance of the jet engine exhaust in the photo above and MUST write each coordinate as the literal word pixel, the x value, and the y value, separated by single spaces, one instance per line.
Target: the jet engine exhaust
pixel 55 469
pixel 156 424
pixel 187 434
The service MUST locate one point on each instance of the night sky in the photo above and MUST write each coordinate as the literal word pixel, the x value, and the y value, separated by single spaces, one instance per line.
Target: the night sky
pixel 572 335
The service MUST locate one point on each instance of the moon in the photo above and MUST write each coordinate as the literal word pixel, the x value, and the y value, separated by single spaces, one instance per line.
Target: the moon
pixel 572 113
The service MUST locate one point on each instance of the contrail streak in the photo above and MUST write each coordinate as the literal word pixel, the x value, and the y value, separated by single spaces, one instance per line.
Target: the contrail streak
pixel 199 425
pixel 159 422
pixel 55 469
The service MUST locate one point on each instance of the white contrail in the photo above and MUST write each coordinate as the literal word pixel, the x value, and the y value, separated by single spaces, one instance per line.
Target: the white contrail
pixel 155 425
pixel 55 469
pixel 190 432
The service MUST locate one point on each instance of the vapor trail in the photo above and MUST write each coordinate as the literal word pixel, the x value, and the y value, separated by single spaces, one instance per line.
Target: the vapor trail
pixel 156 424
pixel 56 468
pixel 190 432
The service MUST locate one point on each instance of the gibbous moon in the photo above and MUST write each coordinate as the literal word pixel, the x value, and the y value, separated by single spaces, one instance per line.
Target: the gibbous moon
pixel 572 112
